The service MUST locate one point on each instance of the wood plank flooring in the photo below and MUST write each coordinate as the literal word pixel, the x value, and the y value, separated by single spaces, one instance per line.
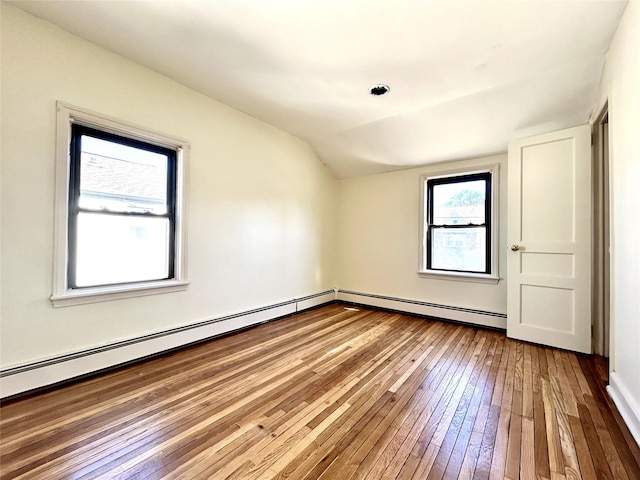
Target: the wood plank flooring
pixel 331 394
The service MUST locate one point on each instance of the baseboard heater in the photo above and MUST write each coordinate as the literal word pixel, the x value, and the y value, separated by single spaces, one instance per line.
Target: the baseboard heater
pixel 23 378
pixel 446 312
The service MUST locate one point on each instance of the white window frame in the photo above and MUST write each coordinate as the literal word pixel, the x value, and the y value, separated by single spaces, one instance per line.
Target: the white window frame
pixel 492 277
pixel 63 296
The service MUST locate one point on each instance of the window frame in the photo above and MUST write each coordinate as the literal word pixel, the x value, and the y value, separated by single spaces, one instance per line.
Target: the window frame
pixel 74 209
pixel 64 292
pixel 491 219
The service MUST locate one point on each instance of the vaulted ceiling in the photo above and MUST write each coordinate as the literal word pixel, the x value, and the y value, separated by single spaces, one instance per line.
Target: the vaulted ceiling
pixel 465 76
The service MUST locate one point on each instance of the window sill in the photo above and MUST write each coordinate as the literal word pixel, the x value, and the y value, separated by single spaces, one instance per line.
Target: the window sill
pixel 460 276
pixel 116 292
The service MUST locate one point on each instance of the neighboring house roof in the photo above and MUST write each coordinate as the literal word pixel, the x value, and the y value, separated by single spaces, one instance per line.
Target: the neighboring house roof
pixel 122 178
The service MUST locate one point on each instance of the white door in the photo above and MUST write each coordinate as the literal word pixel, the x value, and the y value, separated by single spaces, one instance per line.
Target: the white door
pixel 549 232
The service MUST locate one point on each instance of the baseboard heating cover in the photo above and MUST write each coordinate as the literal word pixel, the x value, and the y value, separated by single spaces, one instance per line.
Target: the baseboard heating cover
pixel 23 378
pixel 447 312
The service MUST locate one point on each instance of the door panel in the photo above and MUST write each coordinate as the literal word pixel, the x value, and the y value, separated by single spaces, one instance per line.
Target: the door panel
pixel 549 231
pixel 547 171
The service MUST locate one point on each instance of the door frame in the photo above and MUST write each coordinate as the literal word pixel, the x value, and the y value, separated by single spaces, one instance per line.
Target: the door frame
pixel 601 281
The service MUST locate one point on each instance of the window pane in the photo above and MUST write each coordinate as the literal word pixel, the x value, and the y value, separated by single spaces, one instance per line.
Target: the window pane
pixel 459 203
pixel 120 178
pixel 118 249
pixel 459 249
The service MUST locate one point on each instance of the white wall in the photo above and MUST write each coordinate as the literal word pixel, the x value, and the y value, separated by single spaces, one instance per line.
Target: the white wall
pixel 621 86
pixel 379 241
pixel 259 209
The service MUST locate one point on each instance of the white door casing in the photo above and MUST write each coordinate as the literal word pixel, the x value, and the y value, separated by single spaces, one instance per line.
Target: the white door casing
pixel 549 232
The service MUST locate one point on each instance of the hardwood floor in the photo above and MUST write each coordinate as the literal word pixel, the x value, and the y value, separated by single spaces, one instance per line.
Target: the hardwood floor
pixel 330 394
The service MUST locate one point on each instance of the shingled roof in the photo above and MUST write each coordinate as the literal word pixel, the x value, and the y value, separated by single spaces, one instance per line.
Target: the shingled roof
pixel 115 176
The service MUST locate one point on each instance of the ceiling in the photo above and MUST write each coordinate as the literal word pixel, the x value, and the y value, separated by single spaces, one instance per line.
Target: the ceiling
pixel 466 76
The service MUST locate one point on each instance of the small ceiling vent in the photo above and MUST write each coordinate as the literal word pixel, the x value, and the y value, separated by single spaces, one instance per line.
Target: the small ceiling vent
pixel 378 90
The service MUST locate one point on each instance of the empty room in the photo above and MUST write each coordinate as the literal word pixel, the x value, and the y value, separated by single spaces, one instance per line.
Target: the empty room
pixel 320 239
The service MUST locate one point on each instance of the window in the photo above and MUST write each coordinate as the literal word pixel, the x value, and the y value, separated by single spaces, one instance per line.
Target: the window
pixel 119 210
pixel 459 225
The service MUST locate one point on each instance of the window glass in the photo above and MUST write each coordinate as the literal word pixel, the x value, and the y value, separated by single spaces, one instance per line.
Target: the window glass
pixel 459 203
pixel 121 178
pixel 120 249
pixel 461 249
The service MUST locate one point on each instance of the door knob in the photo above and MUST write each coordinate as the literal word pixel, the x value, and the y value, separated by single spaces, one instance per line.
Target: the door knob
pixel 515 247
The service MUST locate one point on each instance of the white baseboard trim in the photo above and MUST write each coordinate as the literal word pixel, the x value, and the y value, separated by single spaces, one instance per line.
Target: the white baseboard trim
pixel 23 378
pixel 627 405
pixel 447 312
